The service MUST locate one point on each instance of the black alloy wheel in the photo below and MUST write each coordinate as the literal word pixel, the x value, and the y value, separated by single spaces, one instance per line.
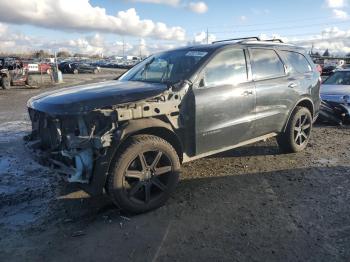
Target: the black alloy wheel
pixel 147 176
pixel 145 173
pixel 297 133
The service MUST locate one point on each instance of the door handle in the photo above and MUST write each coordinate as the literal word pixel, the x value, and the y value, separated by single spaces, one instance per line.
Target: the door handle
pixel 293 85
pixel 248 93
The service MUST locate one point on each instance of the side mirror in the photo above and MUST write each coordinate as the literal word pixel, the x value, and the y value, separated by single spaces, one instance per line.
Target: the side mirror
pixel 202 83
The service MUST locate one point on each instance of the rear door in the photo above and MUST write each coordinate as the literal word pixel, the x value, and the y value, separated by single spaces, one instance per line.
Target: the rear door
pixel 275 93
pixel 224 102
pixel 302 74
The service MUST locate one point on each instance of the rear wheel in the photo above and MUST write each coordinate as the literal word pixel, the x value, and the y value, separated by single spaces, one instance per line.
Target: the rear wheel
pixel 29 81
pixel 297 134
pixel 5 82
pixel 145 174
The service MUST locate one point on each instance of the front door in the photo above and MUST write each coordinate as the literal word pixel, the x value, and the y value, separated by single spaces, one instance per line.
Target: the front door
pixel 224 102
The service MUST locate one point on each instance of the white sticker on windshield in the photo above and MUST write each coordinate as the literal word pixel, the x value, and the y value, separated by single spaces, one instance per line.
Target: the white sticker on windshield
pixel 197 53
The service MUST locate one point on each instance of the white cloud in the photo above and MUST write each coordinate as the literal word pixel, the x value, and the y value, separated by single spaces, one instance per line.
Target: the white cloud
pixel 340 14
pixel 335 3
pixel 260 11
pixel 14 42
pixel 162 2
pixel 198 7
pixel 243 18
pixel 201 38
pixel 19 43
pixel 332 38
pixel 81 16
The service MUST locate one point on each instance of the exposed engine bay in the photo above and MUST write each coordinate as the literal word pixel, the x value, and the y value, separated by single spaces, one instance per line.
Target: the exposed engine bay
pixel 74 143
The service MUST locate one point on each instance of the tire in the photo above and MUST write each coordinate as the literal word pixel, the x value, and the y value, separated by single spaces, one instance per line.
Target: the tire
pixel 75 71
pixel 5 83
pixel 29 81
pixel 137 187
pixel 297 134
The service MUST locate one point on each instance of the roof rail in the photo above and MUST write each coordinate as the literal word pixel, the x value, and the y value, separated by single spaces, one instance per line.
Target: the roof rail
pixel 237 39
pixel 249 38
pixel 274 40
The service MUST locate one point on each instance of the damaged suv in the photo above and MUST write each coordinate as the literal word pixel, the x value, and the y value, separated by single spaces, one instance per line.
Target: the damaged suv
pixel 129 137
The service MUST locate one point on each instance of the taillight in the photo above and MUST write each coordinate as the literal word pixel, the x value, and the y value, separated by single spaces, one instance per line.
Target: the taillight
pixel 319 69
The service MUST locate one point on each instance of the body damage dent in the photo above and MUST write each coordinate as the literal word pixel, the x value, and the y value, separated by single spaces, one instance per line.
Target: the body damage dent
pixel 83 150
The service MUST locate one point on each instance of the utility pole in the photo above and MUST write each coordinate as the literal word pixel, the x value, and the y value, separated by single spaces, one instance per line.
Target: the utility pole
pixel 123 47
pixel 207 36
pixel 140 48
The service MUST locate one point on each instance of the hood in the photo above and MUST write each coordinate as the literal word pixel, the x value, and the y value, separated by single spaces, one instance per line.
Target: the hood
pixel 85 98
pixel 335 90
pixel 335 93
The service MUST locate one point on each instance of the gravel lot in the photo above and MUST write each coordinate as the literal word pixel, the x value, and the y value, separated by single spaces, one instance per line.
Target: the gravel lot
pixel 250 204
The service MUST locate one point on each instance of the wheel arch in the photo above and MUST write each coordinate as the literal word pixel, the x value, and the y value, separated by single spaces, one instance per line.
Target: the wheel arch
pixel 152 126
pixel 304 102
pixel 149 126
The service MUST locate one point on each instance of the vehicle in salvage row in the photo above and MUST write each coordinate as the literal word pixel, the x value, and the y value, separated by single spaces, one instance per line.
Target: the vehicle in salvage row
pixel 335 94
pixel 129 137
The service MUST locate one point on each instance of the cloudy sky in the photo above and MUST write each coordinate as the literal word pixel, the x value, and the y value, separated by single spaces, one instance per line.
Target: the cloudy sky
pixel 146 26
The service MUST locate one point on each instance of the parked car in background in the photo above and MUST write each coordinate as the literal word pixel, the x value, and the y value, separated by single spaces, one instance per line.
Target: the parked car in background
pixel 36 68
pixel 77 68
pixel 12 73
pixel 45 68
pixel 131 136
pixel 5 78
pixel 328 70
pixel 335 94
pixel 31 67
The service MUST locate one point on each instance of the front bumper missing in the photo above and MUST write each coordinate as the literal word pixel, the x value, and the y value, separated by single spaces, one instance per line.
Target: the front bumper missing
pixel 97 181
pixel 79 171
pixel 335 112
pixel 73 155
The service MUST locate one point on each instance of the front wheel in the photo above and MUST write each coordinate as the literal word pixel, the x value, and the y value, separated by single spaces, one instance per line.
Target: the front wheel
pixel 297 134
pixel 5 83
pixel 145 174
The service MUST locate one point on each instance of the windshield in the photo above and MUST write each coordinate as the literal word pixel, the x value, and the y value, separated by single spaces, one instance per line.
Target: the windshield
pixel 169 67
pixel 338 78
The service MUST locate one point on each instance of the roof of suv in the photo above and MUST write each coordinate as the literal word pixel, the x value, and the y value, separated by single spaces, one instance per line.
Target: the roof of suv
pixel 245 42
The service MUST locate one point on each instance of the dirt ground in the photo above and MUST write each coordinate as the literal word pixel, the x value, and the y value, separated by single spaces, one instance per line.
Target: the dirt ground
pixel 250 204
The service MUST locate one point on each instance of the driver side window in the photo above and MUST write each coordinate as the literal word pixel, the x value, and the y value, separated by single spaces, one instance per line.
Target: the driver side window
pixel 226 68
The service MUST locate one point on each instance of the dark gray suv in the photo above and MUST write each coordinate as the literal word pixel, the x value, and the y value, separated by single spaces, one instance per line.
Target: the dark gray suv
pixel 129 137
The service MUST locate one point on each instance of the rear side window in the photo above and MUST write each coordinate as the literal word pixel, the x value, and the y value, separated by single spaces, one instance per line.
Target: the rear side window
pixel 266 64
pixel 298 62
pixel 226 68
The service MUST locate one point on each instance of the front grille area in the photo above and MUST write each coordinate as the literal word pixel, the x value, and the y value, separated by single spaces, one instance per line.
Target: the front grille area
pixel 47 129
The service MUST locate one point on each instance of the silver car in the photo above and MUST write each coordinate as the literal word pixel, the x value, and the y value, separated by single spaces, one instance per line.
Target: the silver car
pixel 335 94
